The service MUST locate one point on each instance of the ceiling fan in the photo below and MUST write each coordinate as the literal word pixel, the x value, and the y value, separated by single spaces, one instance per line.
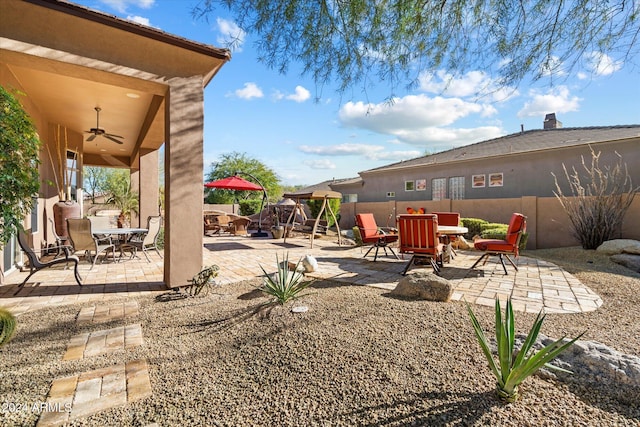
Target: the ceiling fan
pixel 97 131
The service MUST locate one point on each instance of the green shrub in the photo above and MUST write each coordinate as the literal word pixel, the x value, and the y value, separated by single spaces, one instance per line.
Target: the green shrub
pixel 284 285
pixel 492 225
pixel 514 367
pixel 474 225
pixel 7 326
pixel 249 207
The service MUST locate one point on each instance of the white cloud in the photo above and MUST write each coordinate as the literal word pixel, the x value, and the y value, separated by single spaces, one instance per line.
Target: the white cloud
pixel 420 120
pixel 602 64
pixel 249 91
pixel 231 35
pixel 301 95
pixel 556 100
pixel 370 152
pixel 472 84
pixel 140 20
pixel 320 164
pixel 122 5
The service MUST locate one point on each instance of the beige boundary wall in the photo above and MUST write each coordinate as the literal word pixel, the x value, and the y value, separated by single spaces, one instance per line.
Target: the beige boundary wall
pixel 547 223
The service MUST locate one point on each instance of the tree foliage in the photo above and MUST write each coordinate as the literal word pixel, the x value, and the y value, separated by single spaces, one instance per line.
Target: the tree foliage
pixel 234 162
pixel 119 193
pixel 19 178
pixel 356 42
pixel 95 180
pixel 597 200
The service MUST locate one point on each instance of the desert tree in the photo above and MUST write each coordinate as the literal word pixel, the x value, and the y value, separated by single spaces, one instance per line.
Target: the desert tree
pixel 362 42
pixel 597 199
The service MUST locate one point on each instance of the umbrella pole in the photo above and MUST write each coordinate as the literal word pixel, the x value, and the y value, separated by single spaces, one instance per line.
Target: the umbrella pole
pixel 259 233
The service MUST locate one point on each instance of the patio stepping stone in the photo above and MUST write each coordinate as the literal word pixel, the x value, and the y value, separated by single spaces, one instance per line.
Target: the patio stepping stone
pixel 90 392
pixel 105 341
pixel 106 313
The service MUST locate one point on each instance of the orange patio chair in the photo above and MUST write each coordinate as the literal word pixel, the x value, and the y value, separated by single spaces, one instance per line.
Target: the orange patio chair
pixel 419 237
pixel 374 235
pixel 506 247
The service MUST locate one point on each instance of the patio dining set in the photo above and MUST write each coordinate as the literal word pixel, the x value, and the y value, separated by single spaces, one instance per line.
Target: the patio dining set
pixel 429 238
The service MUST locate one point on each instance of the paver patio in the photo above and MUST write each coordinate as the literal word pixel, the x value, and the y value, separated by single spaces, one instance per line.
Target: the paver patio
pixel 537 285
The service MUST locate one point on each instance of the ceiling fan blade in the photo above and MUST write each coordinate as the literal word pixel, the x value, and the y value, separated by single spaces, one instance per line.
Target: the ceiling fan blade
pixel 92 137
pixel 117 141
pixel 113 136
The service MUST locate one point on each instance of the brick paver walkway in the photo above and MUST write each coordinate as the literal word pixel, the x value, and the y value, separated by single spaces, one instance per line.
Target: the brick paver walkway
pixel 537 285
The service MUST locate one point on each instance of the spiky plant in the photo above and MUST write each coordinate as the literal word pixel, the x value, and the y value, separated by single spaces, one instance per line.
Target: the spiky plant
pixel 512 368
pixel 7 326
pixel 284 285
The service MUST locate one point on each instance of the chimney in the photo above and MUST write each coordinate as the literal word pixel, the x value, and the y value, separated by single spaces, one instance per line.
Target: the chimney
pixel 550 122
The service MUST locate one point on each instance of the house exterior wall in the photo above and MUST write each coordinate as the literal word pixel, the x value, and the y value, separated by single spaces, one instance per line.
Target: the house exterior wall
pixel 527 174
pixel 548 224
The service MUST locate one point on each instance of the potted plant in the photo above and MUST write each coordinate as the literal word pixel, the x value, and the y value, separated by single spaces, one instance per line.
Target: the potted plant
pixel 277 230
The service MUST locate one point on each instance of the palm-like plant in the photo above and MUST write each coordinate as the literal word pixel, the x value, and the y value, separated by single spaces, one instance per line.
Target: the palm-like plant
pixel 512 368
pixel 284 285
pixel 121 195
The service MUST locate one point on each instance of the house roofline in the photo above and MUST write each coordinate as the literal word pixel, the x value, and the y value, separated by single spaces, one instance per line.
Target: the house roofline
pixel 132 27
pixel 400 165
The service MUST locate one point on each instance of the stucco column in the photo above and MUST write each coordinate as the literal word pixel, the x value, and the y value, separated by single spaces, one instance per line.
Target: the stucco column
pixel 148 185
pixel 184 115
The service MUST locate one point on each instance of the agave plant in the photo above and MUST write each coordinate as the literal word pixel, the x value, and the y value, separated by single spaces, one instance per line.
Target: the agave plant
pixel 512 368
pixel 284 285
pixel 7 326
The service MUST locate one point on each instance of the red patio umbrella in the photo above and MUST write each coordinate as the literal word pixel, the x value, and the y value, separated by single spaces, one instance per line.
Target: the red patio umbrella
pixel 237 183
pixel 234 183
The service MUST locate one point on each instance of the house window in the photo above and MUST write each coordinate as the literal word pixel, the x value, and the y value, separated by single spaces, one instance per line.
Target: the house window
pixel 349 198
pixel 391 194
pixel 34 216
pixel 456 187
pixel 72 174
pixel 409 186
pixel 438 188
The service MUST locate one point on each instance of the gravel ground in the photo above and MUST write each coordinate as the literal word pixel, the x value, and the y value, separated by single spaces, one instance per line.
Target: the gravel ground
pixel 357 357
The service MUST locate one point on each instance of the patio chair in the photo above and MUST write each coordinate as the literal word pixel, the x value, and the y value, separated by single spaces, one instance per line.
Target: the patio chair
pixel 419 237
pixel 503 248
pixel 82 239
pixel 61 242
pixel 373 235
pixel 239 225
pixel 36 264
pixel 145 241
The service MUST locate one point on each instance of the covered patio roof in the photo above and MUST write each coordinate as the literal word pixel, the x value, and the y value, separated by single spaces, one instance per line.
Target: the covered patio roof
pixel 149 85
pixel 70 59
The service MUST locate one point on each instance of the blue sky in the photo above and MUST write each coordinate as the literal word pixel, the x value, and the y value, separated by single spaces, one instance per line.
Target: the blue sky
pixel 307 137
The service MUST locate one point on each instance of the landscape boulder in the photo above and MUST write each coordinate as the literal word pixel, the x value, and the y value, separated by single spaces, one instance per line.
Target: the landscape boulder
pixel 424 285
pixel 618 246
pixel 630 261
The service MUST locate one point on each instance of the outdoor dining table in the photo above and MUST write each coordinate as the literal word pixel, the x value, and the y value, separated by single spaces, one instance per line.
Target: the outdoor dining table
pixel 124 234
pixel 448 231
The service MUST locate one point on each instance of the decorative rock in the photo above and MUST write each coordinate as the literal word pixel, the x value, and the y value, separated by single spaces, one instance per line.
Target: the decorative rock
pixel 618 246
pixel 309 263
pixel 593 361
pixel 630 261
pixel 424 285
pixel 300 309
